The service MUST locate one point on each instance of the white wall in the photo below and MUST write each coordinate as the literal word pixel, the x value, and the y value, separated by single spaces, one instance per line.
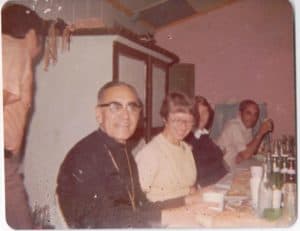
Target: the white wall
pixel 64 112
pixel 244 50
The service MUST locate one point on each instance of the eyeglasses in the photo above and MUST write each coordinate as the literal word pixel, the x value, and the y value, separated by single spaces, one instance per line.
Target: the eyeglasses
pixel 116 107
pixel 179 122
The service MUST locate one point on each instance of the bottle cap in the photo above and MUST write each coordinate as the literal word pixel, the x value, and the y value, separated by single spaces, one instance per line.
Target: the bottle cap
pixel 284 170
pixel 291 171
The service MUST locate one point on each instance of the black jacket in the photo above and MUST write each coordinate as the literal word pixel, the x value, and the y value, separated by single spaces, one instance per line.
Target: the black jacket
pixel 209 159
pixel 92 192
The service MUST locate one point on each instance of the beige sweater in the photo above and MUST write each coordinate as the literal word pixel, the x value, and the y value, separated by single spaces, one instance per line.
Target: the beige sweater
pixel 166 171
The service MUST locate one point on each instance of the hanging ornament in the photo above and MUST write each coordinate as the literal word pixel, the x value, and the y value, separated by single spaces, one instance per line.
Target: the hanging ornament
pixel 50 55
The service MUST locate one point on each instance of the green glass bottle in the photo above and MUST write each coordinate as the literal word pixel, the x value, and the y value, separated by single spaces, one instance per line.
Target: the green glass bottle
pixel 276 175
pixel 291 170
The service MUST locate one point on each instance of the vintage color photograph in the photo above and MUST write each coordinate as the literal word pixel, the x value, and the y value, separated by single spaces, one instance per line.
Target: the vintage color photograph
pixel 149 114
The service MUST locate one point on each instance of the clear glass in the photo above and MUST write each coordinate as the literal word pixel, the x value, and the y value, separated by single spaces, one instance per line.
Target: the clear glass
pixel 265 193
pixel 290 202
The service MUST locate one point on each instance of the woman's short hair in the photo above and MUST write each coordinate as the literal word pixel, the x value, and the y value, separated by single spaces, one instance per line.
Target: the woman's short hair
pixel 176 102
pixel 17 20
pixel 200 100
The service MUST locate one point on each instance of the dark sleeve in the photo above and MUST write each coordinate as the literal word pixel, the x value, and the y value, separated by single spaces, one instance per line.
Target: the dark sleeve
pixel 210 164
pixel 149 214
pixel 78 195
pixel 189 138
pixel 167 204
pixel 90 199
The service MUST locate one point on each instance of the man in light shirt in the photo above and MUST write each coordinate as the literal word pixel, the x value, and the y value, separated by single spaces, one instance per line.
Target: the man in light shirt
pixel 237 140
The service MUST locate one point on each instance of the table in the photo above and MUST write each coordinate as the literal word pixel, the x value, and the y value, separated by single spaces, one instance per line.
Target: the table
pixel 236 214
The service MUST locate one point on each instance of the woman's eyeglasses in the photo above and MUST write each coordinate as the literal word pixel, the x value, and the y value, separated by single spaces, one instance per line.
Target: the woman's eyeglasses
pixel 179 122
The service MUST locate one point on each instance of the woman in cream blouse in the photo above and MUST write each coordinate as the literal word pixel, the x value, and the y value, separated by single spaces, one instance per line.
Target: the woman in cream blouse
pixel 166 165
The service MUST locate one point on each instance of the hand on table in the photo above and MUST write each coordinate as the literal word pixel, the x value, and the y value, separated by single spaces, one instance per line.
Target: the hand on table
pixel 240 157
pixel 243 155
pixel 196 196
pixel 186 216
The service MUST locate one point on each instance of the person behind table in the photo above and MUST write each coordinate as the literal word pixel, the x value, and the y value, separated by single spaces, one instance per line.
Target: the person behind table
pixel 208 156
pixel 166 165
pixel 236 138
pixel 97 184
pixel 22 39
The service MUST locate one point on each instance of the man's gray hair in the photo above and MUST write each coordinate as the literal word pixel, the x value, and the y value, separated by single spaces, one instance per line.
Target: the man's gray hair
pixel 116 84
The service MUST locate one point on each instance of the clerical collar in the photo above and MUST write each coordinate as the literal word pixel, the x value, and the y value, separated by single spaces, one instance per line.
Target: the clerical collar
pixel 111 142
pixel 198 132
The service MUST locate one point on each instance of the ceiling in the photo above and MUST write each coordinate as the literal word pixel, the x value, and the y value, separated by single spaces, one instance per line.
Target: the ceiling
pixel 141 16
pixel 161 13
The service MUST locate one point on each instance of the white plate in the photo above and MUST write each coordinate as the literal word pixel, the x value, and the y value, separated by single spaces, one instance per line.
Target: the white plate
pixel 235 198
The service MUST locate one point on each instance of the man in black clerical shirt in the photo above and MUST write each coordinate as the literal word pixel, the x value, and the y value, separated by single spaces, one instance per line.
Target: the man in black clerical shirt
pixel 97 184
